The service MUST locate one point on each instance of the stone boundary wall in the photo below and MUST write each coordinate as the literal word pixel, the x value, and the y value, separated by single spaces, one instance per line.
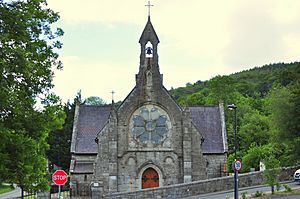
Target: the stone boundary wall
pixel 202 186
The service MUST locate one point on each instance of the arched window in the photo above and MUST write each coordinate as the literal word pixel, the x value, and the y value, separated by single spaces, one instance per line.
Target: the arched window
pixel 149 49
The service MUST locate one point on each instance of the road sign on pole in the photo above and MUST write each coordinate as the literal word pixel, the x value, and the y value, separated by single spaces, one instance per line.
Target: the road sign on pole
pixel 237 165
pixel 60 177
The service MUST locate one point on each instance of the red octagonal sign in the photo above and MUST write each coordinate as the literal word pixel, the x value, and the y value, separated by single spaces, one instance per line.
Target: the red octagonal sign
pixel 60 177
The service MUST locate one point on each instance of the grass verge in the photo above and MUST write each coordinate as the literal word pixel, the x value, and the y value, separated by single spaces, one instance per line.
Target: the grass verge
pixel 277 194
pixel 5 188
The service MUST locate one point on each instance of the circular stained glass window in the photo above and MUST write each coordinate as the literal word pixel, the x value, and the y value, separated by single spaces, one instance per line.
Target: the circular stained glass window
pixel 150 124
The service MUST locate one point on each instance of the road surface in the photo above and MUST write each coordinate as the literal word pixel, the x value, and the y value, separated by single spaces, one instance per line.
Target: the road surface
pixel 12 194
pixel 248 190
pixel 217 195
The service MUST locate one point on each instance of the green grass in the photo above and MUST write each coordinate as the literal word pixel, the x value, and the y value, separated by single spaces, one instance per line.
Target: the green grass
pixel 277 194
pixel 29 197
pixel 296 191
pixel 5 188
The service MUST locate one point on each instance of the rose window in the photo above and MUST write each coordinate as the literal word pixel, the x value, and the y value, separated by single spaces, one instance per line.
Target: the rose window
pixel 150 124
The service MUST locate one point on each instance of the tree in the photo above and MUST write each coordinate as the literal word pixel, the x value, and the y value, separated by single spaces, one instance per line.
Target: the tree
pixel 27 56
pixel 295 120
pixel 94 100
pixel 254 130
pixel 196 98
pixel 272 169
pixel 252 158
pixel 220 89
pixel 280 106
pixel 268 101
pixel 60 140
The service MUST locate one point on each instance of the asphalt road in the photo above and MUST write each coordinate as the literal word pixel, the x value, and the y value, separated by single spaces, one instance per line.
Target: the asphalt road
pixel 291 197
pixel 248 190
pixel 217 195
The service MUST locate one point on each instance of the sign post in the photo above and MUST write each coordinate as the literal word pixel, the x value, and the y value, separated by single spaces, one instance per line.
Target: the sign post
pixel 237 165
pixel 59 177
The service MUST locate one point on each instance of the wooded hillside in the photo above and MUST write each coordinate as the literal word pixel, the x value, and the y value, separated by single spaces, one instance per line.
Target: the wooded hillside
pixel 268 113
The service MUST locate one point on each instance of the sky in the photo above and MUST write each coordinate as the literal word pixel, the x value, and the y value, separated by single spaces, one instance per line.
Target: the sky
pixel 199 39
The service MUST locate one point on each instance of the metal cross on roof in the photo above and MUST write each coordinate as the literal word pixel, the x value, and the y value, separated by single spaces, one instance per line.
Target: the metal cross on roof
pixel 149 6
pixel 112 95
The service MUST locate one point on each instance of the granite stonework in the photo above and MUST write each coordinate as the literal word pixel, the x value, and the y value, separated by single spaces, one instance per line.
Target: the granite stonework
pixel 123 157
pixel 115 148
pixel 215 165
pixel 202 186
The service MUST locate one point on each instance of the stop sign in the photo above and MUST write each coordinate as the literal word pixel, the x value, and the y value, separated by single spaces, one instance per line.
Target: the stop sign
pixel 60 177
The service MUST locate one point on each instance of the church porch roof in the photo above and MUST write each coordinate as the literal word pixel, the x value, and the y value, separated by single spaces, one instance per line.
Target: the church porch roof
pixel 83 167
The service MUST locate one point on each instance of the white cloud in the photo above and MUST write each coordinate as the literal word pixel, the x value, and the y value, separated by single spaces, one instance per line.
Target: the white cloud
pixel 212 37
pixel 286 11
pixel 257 36
pixel 105 11
pixel 69 59
pixel 94 80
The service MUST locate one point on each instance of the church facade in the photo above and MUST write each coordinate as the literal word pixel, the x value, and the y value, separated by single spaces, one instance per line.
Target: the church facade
pixel 149 140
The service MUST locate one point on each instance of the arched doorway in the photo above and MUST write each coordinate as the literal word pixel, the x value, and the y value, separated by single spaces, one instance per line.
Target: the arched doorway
pixel 150 179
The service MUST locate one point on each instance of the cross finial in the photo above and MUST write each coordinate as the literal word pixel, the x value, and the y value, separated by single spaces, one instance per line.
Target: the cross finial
pixel 112 95
pixel 149 6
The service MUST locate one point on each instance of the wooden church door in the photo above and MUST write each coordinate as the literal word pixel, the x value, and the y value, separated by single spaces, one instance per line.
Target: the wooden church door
pixel 150 179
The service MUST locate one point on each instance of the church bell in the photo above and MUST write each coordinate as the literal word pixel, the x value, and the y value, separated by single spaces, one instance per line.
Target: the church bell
pixel 149 51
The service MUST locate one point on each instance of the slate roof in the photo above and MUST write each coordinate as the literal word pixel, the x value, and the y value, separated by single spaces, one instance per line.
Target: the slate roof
pixel 83 167
pixel 91 119
pixel 208 121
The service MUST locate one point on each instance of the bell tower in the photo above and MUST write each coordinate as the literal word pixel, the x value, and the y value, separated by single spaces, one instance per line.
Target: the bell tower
pixel 149 36
pixel 149 79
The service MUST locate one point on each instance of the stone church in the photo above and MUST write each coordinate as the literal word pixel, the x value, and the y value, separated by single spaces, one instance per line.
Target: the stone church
pixel 149 140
